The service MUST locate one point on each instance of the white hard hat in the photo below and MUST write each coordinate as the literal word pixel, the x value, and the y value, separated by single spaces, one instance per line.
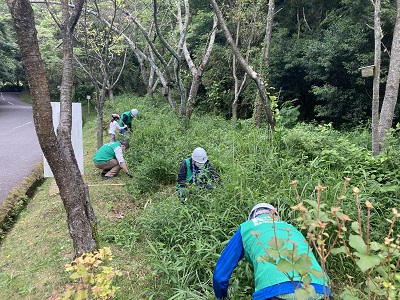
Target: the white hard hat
pixel 199 155
pixel 134 112
pixel 115 116
pixel 261 208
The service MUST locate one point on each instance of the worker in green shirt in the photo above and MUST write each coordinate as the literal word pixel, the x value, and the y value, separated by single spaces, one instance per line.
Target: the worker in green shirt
pixel 110 159
pixel 127 118
pixel 257 241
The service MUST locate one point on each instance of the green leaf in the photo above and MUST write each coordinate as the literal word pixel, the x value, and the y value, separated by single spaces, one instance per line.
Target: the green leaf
pixel 311 291
pixel 274 254
pixel 381 271
pixel 316 273
pixel 391 188
pixel 347 295
pixel 367 261
pixel 313 203
pixel 291 255
pixel 284 266
pixel 307 279
pixel 375 246
pixel 276 243
pixel 392 294
pixel 301 294
pixel 341 249
pixel 355 226
pixel 358 243
pixel 303 264
pixel 81 295
pixel 152 247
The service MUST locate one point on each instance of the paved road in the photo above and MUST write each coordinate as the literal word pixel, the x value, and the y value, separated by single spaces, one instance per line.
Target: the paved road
pixel 19 145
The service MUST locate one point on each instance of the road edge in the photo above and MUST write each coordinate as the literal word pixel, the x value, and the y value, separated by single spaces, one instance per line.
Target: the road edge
pixel 18 198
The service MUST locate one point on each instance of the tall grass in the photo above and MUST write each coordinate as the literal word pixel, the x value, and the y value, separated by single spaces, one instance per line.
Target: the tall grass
pixel 185 239
pixel 167 248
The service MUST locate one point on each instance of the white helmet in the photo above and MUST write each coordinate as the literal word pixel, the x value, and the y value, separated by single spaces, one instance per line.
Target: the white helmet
pixel 115 116
pixel 261 208
pixel 199 155
pixel 134 112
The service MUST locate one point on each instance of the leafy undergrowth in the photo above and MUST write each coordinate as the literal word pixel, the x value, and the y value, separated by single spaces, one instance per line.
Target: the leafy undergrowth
pixel 167 248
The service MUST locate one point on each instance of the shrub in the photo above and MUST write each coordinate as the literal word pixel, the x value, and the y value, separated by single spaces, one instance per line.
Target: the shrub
pixel 91 277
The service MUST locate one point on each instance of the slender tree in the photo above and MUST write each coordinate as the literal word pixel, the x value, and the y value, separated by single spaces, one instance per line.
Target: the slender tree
pixel 246 67
pixel 197 72
pixel 57 148
pixel 176 51
pixel 103 56
pixel 264 61
pixel 392 84
pixel 377 77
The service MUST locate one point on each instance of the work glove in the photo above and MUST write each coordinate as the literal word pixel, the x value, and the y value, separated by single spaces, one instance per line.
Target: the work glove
pixel 181 193
pixel 210 186
pixel 130 175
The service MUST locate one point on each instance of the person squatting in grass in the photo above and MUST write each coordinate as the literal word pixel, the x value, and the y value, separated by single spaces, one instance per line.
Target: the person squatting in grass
pixel 255 240
pixel 126 119
pixel 110 159
pixel 114 125
pixel 196 170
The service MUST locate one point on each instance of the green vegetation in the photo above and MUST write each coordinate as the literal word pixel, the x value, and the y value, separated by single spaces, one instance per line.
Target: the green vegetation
pixel 317 48
pixel 166 249
pixel 17 199
pixel 92 278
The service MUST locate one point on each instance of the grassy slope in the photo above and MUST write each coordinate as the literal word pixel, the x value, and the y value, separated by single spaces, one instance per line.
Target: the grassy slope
pixel 187 239
pixel 33 255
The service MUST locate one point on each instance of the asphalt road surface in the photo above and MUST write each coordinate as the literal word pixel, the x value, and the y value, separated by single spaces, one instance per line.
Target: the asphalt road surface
pixel 19 146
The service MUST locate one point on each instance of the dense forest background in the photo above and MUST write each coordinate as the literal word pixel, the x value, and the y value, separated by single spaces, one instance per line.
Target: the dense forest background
pixel 316 50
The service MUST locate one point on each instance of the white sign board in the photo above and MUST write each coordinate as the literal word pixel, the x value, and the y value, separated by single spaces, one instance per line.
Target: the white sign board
pixel 76 134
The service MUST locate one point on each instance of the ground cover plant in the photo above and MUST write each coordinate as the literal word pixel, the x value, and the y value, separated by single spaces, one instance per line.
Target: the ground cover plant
pixel 167 248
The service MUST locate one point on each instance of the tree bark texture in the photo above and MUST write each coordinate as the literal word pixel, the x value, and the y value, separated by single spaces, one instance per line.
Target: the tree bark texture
pixel 392 84
pixel 377 77
pixel 56 148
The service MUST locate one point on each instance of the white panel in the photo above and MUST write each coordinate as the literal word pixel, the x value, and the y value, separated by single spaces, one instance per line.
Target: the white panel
pixel 76 134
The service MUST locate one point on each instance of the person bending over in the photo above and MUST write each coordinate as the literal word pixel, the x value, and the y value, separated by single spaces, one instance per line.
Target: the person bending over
pixel 196 170
pixel 257 240
pixel 110 159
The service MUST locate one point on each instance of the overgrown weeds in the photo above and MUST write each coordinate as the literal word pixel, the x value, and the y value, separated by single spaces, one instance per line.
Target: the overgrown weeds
pixel 167 249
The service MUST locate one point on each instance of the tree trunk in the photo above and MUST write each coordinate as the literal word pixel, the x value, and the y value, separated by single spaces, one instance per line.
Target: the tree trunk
pixel 257 111
pixel 100 99
pixel 246 67
pixel 392 84
pixel 56 148
pixel 260 104
pixel 238 88
pixel 196 80
pixel 176 54
pixel 197 73
pixel 377 71
pixel 111 94
pixel 268 31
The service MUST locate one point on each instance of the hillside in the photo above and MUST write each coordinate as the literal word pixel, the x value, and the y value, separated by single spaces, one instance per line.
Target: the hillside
pixel 167 248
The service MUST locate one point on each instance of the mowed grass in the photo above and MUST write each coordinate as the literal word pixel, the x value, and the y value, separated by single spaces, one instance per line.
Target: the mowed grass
pixel 35 251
